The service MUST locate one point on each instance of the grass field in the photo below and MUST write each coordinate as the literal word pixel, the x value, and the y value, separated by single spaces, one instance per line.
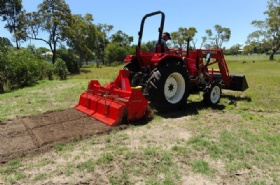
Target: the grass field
pixel 236 142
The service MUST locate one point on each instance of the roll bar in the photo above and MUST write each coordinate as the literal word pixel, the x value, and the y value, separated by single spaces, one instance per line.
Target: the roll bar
pixel 160 29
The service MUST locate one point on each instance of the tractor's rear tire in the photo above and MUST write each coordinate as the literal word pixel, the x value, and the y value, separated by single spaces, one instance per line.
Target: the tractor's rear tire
pixel 168 87
pixel 212 94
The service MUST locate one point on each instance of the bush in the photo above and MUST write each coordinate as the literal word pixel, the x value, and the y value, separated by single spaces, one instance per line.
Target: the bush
pixel 49 70
pixel 60 69
pixel 46 70
pixel 3 61
pixel 22 69
pixel 114 53
pixel 70 59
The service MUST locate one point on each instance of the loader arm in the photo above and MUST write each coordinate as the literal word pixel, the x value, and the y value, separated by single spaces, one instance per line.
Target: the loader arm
pixel 223 68
pixel 231 82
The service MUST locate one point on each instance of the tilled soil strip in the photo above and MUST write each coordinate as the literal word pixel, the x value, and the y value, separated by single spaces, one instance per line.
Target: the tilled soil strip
pixel 21 136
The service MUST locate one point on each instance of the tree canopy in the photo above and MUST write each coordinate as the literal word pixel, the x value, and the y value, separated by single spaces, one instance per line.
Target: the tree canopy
pixel 5 41
pixel 52 17
pixel 222 35
pixel 81 36
pixel 12 12
pixel 122 38
pixel 89 41
pixel 268 33
pixel 180 37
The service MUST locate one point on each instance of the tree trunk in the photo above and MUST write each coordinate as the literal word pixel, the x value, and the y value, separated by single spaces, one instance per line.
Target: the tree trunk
pixel 274 50
pixel 103 61
pixel 53 58
pixel 17 45
pixel 271 57
pixel 54 52
pixel 1 89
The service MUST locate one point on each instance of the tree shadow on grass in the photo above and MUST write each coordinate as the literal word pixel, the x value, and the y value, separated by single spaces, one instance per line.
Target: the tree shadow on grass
pixel 85 71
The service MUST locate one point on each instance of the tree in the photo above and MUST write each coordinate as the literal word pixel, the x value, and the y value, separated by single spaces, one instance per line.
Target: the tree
pixel 81 36
pixel 204 39
pixel 234 50
pixel 222 35
pixel 268 32
pixel 2 6
pixel 52 17
pixel 179 38
pixel 114 53
pixel 150 46
pixel 102 40
pixel 5 41
pixel 11 11
pixel 122 39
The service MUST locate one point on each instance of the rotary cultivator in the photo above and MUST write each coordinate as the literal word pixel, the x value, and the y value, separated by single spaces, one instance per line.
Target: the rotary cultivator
pixel 114 102
pixel 162 79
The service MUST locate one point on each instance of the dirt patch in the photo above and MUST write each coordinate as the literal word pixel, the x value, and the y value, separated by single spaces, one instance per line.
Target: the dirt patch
pixel 22 136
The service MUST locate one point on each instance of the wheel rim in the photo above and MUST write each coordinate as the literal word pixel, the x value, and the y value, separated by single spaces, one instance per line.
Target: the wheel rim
pixel 215 94
pixel 174 88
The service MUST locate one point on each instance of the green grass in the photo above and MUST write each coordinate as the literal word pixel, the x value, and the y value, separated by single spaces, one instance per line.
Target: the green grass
pixel 47 95
pixel 60 148
pixel 11 167
pixel 51 95
pixel 201 166
pixel 40 176
pixel 105 158
pixel 11 172
pixel 88 165
pixel 242 133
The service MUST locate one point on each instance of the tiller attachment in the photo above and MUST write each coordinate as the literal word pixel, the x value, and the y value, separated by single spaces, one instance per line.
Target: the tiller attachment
pixel 114 102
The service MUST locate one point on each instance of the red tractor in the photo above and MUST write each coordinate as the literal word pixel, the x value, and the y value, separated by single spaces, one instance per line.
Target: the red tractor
pixel 165 79
pixel 168 78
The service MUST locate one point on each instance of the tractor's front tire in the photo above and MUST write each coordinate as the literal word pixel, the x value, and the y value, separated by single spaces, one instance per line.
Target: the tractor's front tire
pixel 168 87
pixel 212 94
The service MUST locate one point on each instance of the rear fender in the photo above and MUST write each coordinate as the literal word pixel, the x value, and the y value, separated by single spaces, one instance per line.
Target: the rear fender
pixel 129 58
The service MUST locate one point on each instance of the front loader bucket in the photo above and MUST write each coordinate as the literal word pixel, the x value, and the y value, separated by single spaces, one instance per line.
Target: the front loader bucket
pixel 238 83
pixel 114 102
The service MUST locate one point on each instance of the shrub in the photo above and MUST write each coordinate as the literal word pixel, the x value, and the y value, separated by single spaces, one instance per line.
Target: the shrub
pixel 114 53
pixel 3 60
pixel 49 70
pixel 70 60
pixel 22 69
pixel 45 70
pixel 60 69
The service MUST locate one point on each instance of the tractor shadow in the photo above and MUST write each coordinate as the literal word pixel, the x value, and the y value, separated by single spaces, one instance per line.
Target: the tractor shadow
pixel 193 107
pixel 234 99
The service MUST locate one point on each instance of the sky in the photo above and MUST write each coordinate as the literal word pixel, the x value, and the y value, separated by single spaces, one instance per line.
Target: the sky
pixel 126 15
